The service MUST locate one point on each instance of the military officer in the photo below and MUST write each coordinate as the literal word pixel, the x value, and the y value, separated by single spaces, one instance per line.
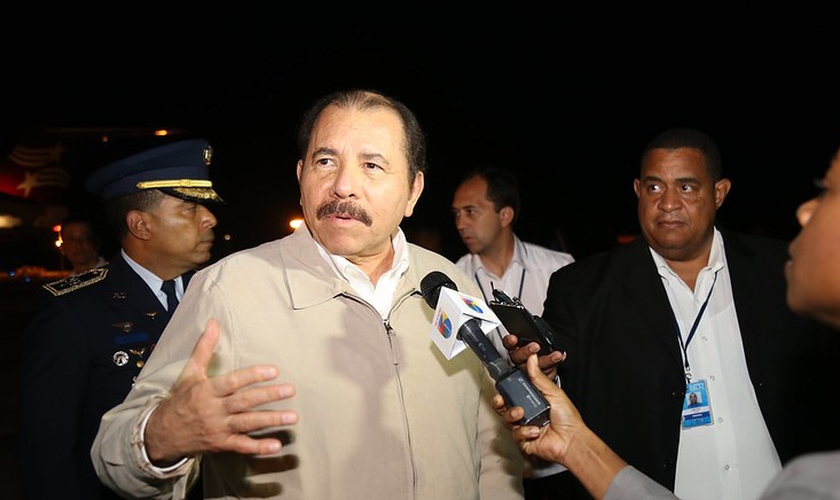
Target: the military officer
pixel 94 331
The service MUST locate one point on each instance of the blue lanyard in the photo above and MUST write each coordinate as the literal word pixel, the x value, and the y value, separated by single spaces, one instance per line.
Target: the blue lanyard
pixel 697 319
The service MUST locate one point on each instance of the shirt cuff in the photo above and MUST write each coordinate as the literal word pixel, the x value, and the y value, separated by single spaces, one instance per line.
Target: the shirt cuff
pixel 139 444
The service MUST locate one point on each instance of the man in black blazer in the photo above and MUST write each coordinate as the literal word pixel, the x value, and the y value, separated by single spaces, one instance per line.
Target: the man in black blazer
pixel 94 331
pixel 626 319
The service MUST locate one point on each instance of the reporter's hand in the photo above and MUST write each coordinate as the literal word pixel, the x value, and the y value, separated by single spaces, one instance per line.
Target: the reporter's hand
pixel 519 355
pixel 216 414
pixel 550 441
pixel 565 439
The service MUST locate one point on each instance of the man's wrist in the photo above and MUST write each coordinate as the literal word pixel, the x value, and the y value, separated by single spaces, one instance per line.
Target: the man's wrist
pixel 140 445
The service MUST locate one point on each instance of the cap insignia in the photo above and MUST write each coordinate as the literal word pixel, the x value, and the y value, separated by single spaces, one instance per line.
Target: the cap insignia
pixel 208 155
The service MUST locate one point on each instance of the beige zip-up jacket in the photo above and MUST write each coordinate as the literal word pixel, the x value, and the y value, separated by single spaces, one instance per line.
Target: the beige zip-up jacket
pixel 383 414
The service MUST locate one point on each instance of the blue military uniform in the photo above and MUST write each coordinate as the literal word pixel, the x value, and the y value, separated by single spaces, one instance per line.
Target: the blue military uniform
pixel 93 333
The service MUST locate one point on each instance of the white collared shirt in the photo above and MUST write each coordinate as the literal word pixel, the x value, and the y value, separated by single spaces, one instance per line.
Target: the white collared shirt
pixel 380 296
pixel 734 458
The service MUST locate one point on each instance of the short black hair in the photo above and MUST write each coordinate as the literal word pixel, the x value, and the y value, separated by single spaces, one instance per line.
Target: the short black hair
pixel 686 137
pixel 117 208
pixel 415 139
pixel 502 187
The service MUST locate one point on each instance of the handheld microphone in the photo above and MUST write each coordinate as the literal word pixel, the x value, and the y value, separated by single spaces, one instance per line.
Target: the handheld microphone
pixel 511 382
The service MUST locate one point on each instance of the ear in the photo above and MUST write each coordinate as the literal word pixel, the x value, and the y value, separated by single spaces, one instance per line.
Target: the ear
pixel 722 188
pixel 137 225
pixel 506 215
pixel 637 187
pixel 414 195
pixel 299 169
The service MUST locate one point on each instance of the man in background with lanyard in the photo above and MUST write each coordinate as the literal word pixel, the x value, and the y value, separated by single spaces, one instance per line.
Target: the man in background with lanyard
pixel 690 307
pixel 486 205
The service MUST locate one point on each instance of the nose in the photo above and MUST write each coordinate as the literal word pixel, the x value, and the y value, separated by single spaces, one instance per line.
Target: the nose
pixel 344 182
pixel 460 221
pixel 207 217
pixel 805 210
pixel 456 218
pixel 669 200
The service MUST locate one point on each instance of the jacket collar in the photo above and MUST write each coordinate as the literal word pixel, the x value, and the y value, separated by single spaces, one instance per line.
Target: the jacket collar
pixel 313 281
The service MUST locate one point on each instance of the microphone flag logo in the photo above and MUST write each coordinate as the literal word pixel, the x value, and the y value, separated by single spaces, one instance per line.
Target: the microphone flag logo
pixel 453 310
pixel 472 304
pixel 444 325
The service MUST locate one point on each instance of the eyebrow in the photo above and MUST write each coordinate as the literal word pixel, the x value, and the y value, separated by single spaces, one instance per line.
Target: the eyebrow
pixel 324 151
pixel 681 180
pixel 367 156
pixel 375 157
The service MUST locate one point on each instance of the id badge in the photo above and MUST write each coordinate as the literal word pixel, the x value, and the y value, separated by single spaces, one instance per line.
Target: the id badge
pixel 697 410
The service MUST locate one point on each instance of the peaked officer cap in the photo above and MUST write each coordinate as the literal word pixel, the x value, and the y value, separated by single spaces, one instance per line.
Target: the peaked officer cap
pixel 178 169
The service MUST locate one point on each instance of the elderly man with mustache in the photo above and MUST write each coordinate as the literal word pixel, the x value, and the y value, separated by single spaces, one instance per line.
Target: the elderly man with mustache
pixel 336 309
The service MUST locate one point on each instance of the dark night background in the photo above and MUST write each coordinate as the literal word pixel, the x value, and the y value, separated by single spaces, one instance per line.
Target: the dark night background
pixel 566 99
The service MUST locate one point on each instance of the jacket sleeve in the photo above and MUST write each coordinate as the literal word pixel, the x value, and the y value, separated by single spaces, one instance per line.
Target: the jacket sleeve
pixel 122 465
pixel 630 483
pixel 53 379
pixel 501 461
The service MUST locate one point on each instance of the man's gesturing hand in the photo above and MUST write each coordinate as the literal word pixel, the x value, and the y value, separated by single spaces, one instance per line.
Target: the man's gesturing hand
pixel 216 414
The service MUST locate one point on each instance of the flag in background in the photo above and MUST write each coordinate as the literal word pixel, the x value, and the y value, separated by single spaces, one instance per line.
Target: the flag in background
pixel 34 170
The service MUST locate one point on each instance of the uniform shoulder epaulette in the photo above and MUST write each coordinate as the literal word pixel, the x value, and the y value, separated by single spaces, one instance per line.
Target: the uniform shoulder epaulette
pixel 76 281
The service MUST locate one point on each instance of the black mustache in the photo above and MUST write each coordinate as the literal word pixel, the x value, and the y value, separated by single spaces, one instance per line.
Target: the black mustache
pixel 344 209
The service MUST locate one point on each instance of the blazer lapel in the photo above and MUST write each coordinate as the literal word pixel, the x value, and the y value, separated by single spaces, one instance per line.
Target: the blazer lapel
pixel 643 286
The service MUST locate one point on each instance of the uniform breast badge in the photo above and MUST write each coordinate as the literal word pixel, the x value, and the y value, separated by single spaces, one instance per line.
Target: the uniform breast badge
pixel 125 326
pixel 139 353
pixel 120 358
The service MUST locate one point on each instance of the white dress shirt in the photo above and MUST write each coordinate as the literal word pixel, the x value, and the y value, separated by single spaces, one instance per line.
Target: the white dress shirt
pixel 380 296
pixel 733 457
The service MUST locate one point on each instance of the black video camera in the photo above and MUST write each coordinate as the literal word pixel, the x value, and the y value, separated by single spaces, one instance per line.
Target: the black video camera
pixel 520 322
